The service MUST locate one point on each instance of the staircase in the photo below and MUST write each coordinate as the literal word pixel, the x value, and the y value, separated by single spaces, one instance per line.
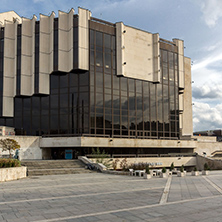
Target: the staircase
pixel 53 167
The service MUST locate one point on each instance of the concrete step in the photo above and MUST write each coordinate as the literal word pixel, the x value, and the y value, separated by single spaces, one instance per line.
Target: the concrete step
pixel 53 167
pixel 41 172
pixel 53 164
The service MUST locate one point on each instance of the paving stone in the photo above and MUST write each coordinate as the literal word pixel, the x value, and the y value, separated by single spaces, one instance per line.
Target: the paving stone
pixel 101 198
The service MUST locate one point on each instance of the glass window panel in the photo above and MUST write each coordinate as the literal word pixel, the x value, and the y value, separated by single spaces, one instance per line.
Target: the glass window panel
pixel 63 81
pixel 132 122
pixel 139 103
pixel 131 85
pixel 123 83
pixel 73 81
pixel 84 79
pixel 123 93
pixel 99 99
pixel 108 101
pixel 165 75
pixel 108 121
pixel 54 101
pixel 99 79
pixel 91 78
pixel 164 55
pixel 107 81
pixel 84 98
pixel 108 111
pixel 92 57
pixel 124 102
pixel 54 122
pixel 99 38
pixel 132 102
pixel 107 41
pixel 171 76
pixel 64 122
pixel 107 61
pixel 99 121
pixel 116 102
pixel 124 122
pixel 113 42
pixel 27 103
pixel 92 37
pixel 116 84
pixel 92 99
pixel 18 104
pixel 116 122
pixel 170 54
pixel 54 82
pixel 138 86
pixel 64 100
pixel 116 112
pixel 176 59
pixel 152 102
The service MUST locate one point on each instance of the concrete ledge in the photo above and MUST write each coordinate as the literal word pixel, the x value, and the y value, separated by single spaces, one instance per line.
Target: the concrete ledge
pixel 126 173
pixel 12 173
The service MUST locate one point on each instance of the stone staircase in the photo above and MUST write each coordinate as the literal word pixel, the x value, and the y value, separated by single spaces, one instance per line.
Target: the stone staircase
pixel 53 167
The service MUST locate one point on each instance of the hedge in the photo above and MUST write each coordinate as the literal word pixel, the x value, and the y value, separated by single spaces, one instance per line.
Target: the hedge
pixel 5 163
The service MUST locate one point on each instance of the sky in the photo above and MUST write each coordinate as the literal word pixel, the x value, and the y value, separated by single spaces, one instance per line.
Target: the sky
pixel 197 22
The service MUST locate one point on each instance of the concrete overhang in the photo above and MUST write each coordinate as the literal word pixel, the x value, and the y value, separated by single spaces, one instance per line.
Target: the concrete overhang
pixel 114 142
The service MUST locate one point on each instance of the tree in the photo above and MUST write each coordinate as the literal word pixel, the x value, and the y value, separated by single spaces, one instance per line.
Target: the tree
pixel 101 157
pixel 8 145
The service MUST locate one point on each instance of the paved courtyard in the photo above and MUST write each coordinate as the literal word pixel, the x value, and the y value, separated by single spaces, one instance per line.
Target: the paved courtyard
pixel 111 198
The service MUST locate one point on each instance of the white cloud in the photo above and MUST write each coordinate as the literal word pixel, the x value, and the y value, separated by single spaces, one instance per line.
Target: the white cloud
pixel 212 11
pixel 208 91
pixel 206 117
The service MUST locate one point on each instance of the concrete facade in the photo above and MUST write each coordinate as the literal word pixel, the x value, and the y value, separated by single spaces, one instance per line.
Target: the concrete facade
pixel 138 56
pixel 29 147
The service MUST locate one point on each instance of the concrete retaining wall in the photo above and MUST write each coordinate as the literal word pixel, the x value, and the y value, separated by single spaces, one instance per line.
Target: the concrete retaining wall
pixel 12 173
pixel 212 163
pixel 158 161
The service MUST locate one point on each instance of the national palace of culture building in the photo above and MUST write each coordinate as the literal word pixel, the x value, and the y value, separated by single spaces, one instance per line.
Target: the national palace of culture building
pixel 77 82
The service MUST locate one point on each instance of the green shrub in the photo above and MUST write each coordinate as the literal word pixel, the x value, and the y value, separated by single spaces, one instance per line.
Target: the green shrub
pixel 206 167
pixel 163 170
pixel 138 166
pixel 171 166
pixel 147 169
pixel 9 163
pixel 182 168
pixel 195 169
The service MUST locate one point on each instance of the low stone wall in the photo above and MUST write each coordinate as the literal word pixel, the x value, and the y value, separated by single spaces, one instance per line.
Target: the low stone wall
pixel 214 164
pixel 12 173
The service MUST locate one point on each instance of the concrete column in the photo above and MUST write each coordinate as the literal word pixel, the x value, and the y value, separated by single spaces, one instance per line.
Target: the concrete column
pixel 27 56
pixel 45 51
pixel 180 44
pixel 156 58
pixel 9 83
pixel 65 47
pixel 83 38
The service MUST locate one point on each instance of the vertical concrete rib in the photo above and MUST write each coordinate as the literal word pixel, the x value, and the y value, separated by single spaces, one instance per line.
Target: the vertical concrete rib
pixel 83 38
pixel 27 56
pixel 65 46
pixel 9 74
pixel 179 43
pixel 119 48
pixel 156 58
pixel 45 51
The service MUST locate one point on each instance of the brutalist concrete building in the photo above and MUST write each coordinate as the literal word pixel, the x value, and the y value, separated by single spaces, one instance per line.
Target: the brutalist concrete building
pixel 76 82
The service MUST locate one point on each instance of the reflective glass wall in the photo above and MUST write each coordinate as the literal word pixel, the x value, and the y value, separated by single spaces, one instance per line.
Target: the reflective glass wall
pixel 126 107
pixel 98 102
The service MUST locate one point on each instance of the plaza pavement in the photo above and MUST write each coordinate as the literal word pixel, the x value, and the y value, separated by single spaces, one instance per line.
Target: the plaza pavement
pixel 112 198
